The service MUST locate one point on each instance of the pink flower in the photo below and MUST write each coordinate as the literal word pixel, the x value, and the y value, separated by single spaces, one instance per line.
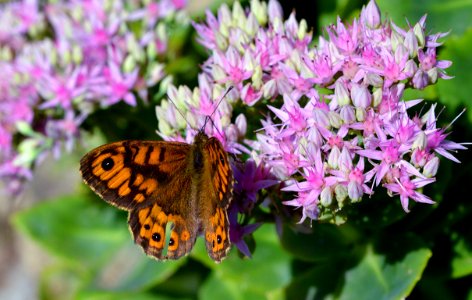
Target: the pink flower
pixel 406 188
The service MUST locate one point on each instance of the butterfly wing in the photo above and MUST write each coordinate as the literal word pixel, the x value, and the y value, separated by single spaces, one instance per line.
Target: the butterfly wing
pixel 219 195
pixel 150 180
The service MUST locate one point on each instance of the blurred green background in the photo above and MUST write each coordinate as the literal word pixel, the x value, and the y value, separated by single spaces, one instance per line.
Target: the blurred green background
pixel 60 241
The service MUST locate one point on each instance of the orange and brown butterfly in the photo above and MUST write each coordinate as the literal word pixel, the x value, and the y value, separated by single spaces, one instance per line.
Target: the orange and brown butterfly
pixel 184 189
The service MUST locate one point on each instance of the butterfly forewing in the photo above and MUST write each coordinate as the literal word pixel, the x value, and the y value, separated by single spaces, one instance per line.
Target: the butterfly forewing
pixel 128 173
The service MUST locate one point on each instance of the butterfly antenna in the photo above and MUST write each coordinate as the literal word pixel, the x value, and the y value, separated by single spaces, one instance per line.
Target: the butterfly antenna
pixel 177 108
pixel 216 107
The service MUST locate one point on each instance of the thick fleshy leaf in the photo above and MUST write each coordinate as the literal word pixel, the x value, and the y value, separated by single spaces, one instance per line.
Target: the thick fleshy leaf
pixel 119 296
pixel 131 270
pixel 378 276
pixel 75 229
pixel 462 260
pixel 318 282
pixel 325 242
pixel 265 274
pixel 388 270
pixel 95 236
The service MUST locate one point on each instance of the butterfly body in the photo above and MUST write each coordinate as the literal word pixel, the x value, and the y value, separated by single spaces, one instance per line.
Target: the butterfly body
pixel 173 191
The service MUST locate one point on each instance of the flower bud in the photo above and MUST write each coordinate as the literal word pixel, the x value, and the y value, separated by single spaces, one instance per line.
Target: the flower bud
pixel 231 133
pixel 302 28
pixel 218 73
pixel 341 93
pixel 275 10
pixel 420 141
pixel 269 89
pixel 77 55
pixel 432 75
pixel 410 68
pixel 333 157
pixel 341 194
pixel 256 77
pixel 373 79
pixel 377 97
pixel 251 27
pixel 396 39
pixel 419 33
pixel 360 96
pixel 129 64
pixel 259 9
pixel 335 119
pixel 411 44
pixel 418 158
pixel 420 80
pixel 360 114
pixel 355 191
pixel 431 167
pixel 221 41
pixel 241 124
pixel 347 114
pixel 371 15
pixel 320 117
pixel 239 17
pixel 326 197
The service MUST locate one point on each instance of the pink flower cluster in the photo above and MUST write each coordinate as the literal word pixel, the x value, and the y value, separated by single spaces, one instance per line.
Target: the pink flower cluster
pixel 59 62
pixel 336 125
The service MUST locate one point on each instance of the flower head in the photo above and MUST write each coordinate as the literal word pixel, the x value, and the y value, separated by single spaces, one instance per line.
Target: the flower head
pixel 356 137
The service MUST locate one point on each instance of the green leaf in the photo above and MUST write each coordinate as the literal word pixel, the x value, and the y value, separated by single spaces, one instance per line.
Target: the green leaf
pixel 261 276
pixel 131 270
pixel 119 296
pixel 59 281
pixel 461 263
pixel 454 93
pixel 443 16
pixel 318 282
pixel 75 229
pixel 378 276
pixel 326 242
pixel 94 240
pixel 387 271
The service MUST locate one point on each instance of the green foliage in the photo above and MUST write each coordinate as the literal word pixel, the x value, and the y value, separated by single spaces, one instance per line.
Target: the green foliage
pixel 443 16
pixel 452 92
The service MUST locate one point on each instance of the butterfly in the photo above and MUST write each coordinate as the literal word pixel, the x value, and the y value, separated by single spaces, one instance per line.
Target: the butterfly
pixel 173 191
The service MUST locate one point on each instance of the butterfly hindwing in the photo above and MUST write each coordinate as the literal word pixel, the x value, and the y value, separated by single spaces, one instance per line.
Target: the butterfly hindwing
pixel 149 226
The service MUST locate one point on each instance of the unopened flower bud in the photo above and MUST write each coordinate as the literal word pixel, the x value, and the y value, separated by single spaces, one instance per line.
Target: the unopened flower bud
pixel 341 93
pixel 355 191
pixel 371 15
pixel 335 119
pixel 341 194
pixel 326 197
pixel 419 33
pixel 431 167
pixel 259 9
pixel 333 157
pixel 360 96
pixel 360 114
pixel 420 141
